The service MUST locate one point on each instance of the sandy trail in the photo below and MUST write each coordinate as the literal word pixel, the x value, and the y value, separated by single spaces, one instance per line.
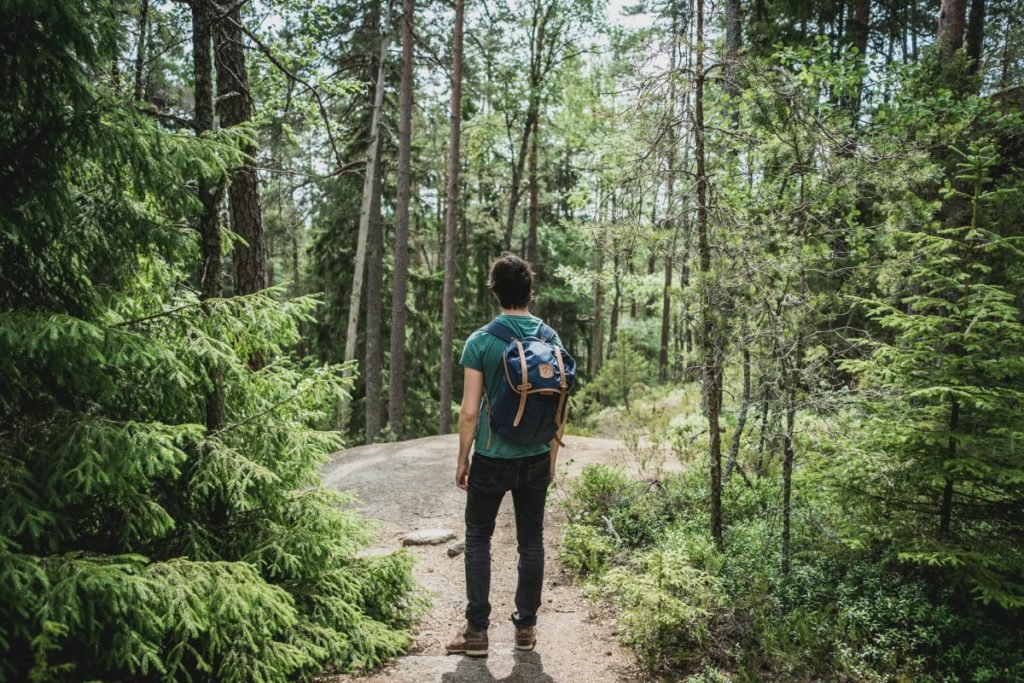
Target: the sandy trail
pixel 410 486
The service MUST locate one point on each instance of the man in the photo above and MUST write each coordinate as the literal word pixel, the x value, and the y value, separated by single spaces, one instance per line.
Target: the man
pixel 499 466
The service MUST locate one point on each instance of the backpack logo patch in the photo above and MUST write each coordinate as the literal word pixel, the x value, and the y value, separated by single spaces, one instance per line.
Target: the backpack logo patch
pixel 546 371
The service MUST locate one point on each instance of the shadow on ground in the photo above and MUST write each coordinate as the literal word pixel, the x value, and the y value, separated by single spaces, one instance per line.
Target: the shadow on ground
pixel 527 669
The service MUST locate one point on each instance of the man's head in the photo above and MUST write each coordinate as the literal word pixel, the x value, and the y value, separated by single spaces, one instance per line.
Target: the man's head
pixel 511 281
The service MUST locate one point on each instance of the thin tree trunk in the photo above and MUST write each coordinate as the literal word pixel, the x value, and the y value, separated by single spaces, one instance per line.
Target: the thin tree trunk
pixel 210 192
pixel 764 427
pixel 710 384
pixel 532 116
pixel 787 472
pixel 234 105
pixel 396 383
pixel 372 161
pixel 531 240
pixel 373 413
pixel 670 215
pixel 451 219
pixel 613 323
pixel 140 51
pixel 597 327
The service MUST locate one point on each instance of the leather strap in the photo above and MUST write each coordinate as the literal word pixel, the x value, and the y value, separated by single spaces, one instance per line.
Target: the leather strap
pixel 524 386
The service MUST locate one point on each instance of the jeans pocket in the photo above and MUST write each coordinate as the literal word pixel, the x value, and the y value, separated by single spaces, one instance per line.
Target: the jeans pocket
pixel 485 476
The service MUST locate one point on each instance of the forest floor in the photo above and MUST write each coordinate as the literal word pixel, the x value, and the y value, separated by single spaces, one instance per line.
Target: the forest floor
pixel 409 486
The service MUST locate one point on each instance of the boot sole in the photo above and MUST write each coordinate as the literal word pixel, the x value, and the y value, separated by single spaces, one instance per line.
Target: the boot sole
pixel 468 653
pixel 526 648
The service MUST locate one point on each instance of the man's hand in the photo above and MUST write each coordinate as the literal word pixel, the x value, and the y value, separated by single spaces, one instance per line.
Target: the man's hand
pixel 462 475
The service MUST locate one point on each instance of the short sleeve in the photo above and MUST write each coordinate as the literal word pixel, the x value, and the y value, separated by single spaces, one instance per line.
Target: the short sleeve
pixel 472 352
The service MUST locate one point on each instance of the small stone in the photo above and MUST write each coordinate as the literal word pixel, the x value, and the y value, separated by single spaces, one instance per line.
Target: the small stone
pixel 428 537
pixel 608 654
pixel 457 548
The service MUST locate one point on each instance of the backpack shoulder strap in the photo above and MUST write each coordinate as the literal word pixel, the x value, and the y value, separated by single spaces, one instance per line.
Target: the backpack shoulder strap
pixel 498 330
pixel 546 333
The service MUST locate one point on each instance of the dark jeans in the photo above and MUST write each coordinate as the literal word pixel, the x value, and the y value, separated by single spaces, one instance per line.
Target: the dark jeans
pixel 489 478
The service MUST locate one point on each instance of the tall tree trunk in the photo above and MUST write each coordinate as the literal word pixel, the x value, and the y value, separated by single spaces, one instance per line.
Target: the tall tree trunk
pixel 396 379
pixel 952 20
pixel 374 413
pixel 140 51
pixel 365 212
pixel 670 215
pixel 787 470
pixel 976 34
pixel 532 116
pixel 234 105
pixel 764 427
pixel 613 323
pixel 531 240
pixel 711 376
pixel 451 220
pixel 733 41
pixel 210 192
pixel 597 327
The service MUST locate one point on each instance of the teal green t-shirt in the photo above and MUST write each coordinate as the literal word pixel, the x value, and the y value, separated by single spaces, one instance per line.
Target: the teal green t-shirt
pixel 483 352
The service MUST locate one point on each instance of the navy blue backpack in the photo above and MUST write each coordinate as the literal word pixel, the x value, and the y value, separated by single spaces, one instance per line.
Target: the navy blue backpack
pixel 531 405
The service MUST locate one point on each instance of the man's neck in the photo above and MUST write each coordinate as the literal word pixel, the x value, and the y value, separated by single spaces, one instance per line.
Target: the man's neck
pixel 516 311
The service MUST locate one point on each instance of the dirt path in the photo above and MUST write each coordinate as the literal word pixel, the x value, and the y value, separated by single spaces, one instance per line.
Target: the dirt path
pixel 409 486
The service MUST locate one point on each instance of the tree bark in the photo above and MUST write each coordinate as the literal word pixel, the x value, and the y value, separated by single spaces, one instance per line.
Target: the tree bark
pixel 366 209
pixel 451 220
pixel 976 34
pixel 733 41
pixel 711 376
pixel 952 20
pixel 373 413
pixel 234 105
pixel 396 378
pixel 210 192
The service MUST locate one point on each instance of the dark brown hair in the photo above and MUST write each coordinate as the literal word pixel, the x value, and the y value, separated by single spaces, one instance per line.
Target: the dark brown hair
pixel 512 280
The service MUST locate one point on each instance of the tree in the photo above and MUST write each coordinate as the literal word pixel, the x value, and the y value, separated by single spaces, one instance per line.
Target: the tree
pixel 145 535
pixel 396 385
pixel 235 107
pixel 451 221
pixel 942 420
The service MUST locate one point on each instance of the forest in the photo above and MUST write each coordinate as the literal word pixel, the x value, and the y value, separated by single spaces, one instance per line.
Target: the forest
pixel 784 240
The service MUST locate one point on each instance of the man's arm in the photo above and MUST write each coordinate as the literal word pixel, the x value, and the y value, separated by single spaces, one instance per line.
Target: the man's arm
pixel 469 413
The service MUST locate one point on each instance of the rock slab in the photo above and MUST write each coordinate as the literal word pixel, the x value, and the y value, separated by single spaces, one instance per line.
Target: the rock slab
pixel 457 548
pixel 428 537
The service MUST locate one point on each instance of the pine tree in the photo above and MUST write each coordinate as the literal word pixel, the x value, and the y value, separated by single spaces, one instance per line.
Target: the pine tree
pixel 942 466
pixel 136 543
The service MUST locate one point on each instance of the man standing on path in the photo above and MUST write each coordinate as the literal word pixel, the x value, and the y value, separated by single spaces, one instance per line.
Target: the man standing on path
pixel 500 465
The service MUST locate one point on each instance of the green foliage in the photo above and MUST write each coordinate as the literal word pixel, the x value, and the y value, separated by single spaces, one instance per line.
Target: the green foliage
pixel 136 543
pixel 689 609
pixel 944 386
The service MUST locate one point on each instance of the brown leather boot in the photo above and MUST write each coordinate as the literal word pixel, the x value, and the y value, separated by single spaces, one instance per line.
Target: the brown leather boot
pixel 469 641
pixel 526 638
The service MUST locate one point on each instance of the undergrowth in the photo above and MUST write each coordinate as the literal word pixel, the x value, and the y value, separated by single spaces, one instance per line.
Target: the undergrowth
pixel 693 612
